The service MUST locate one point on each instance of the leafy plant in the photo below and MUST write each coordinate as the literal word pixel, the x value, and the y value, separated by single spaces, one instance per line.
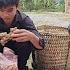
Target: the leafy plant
pixel 48 5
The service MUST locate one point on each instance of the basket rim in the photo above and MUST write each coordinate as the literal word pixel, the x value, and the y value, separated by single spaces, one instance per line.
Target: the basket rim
pixel 48 26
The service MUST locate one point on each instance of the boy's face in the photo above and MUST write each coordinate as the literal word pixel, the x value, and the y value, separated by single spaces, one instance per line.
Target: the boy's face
pixel 8 13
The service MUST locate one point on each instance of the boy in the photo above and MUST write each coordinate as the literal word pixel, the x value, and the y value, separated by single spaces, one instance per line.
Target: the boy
pixel 24 38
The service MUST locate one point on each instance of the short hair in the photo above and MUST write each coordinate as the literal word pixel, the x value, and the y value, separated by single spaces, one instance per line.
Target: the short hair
pixel 6 3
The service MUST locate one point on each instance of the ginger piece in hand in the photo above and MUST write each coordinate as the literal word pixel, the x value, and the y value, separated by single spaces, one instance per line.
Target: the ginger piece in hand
pixel 4 37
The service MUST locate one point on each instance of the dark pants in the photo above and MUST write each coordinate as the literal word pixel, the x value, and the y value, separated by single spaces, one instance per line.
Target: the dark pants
pixel 22 50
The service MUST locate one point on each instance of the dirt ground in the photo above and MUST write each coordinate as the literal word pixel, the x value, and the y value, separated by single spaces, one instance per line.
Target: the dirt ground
pixel 50 18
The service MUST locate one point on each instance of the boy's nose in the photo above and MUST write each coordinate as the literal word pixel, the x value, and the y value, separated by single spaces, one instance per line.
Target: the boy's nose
pixel 7 15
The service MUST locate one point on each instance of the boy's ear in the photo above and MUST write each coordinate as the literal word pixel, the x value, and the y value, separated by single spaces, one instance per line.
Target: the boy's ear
pixel 17 8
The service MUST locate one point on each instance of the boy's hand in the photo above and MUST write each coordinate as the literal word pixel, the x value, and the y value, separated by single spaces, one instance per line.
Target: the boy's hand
pixel 22 35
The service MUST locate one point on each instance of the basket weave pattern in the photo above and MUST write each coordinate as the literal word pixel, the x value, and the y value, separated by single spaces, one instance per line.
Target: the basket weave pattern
pixel 54 55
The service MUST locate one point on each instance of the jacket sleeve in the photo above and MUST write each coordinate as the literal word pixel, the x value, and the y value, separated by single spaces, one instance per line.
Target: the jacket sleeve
pixel 31 27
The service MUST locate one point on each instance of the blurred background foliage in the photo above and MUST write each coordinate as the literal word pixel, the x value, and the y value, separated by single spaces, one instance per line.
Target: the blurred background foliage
pixel 42 5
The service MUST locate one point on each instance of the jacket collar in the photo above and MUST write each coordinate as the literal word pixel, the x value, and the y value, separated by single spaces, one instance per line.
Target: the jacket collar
pixel 18 16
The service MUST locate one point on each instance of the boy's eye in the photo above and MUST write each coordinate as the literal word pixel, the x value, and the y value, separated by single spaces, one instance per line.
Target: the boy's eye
pixel 9 10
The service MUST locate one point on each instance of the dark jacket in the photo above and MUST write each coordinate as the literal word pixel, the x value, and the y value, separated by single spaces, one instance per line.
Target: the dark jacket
pixel 21 21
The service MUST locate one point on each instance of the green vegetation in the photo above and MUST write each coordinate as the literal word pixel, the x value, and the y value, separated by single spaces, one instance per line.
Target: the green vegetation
pixel 42 5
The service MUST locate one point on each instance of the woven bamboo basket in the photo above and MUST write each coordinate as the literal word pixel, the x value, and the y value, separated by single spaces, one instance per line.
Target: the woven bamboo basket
pixel 55 54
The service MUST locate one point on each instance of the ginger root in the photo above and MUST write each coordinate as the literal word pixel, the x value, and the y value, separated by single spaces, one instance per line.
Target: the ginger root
pixel 5 37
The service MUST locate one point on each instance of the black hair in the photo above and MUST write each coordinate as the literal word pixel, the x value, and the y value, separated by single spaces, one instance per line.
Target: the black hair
pixel 6 3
